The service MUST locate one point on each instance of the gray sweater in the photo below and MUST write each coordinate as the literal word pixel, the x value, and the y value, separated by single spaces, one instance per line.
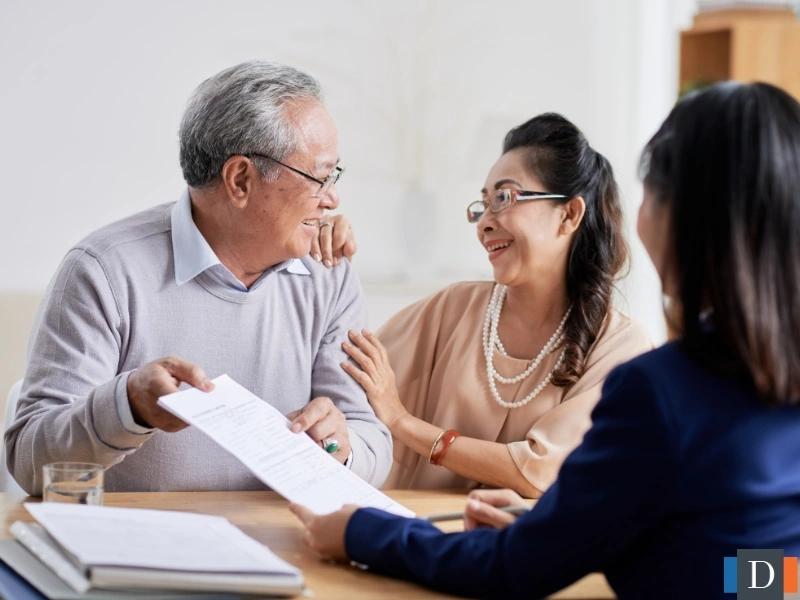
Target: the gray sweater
pixel 114 305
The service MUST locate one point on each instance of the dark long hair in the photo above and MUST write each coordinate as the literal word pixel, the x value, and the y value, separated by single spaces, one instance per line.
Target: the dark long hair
pixel 726 165
pixel 561 158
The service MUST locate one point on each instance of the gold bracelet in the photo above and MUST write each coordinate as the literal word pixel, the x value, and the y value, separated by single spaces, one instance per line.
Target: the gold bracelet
pixel 436 443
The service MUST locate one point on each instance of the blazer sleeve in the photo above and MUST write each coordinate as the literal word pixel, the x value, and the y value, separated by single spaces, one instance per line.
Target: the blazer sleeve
pixel 559 431
pixel 613 490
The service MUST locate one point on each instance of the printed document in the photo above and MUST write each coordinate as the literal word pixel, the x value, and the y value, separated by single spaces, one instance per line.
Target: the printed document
pixel 259 436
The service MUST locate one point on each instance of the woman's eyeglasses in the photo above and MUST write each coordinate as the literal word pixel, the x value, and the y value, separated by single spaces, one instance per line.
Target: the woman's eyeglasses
pixel 502 199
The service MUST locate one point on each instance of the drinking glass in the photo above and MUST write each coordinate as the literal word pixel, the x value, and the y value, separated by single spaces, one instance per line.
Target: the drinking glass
pixel 73 482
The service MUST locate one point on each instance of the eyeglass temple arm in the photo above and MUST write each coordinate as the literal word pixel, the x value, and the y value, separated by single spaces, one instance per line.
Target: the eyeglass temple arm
pixel 538 195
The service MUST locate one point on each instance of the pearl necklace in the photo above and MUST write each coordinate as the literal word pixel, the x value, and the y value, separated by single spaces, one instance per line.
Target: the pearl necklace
pixel 492 340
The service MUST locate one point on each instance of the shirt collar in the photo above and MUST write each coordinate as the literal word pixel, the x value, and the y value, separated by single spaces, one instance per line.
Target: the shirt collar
pixel 191 251
pixel 193 255
pixel 296 267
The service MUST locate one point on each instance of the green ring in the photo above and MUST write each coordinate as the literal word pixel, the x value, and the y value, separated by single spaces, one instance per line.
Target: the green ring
pixel 332 447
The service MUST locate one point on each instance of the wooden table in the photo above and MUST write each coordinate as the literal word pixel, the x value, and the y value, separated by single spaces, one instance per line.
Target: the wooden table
pixel 265 517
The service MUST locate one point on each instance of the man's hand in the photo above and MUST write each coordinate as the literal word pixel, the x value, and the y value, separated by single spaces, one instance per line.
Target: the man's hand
pixel 159 378
pixel 335 242
pixel 321 419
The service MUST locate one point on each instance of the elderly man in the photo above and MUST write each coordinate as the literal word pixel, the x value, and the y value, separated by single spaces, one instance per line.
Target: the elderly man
pixel 219 282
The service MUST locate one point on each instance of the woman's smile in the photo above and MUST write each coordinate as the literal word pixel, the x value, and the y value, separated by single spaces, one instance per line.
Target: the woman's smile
pixel 496 247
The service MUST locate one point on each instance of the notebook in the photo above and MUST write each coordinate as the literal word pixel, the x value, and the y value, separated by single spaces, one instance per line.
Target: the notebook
pixel 23 577
pixel 108 548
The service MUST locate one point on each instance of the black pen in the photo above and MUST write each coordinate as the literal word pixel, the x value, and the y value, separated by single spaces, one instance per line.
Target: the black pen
pixel 514 510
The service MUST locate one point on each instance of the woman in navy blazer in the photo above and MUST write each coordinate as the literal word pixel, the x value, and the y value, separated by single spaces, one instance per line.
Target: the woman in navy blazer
pixel 695 447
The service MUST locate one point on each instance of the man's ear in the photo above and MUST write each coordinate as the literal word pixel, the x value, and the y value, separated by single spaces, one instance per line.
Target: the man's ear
pixel 572 215
pixel 237 177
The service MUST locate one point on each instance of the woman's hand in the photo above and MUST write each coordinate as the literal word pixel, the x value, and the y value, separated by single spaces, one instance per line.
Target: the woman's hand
pixel 324 534
pixel 334 242
pixel 375 376
pixel 481 511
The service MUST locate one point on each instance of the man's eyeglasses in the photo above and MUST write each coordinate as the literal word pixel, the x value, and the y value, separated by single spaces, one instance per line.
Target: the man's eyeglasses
pixel 502 199
pixel 325 184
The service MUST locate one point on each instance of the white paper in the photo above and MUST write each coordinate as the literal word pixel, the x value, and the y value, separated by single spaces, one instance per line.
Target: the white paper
pixel 259 436
pixel 158 539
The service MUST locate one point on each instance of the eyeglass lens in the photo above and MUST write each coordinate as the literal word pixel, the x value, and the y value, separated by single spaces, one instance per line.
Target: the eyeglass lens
pixel 330 180
pixel 498 201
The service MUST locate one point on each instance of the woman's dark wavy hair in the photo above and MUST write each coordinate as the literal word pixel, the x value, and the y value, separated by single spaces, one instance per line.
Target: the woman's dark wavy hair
pixel 726 166
pixel 559 156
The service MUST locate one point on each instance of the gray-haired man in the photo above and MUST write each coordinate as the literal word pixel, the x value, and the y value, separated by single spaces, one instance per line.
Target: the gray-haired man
pixel 218 282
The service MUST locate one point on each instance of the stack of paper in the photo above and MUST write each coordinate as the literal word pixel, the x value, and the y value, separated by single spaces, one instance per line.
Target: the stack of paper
pixel 96 547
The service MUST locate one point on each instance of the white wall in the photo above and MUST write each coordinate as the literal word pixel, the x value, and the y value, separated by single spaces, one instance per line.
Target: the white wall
pixel 422 92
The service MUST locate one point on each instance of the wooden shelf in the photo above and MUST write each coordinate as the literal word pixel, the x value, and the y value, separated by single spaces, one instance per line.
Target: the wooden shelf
pixel 744 45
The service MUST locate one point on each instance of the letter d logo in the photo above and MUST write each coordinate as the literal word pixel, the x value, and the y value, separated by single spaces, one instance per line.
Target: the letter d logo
pixel 759 574
pixel 754 579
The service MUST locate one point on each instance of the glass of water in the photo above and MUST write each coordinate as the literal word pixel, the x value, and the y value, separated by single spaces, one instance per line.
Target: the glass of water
pixel 73 482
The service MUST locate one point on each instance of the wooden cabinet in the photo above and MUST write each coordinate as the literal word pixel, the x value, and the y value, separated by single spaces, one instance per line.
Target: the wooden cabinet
pixel 745 45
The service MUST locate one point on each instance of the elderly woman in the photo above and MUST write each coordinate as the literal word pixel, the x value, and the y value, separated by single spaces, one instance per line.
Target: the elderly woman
pixel 693 451
pixel 493 382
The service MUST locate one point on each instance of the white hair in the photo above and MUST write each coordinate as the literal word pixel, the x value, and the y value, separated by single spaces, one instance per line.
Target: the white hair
pixel 238 111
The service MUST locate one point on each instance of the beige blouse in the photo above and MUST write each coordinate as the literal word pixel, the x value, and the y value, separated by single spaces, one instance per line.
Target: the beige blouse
pixel 436 350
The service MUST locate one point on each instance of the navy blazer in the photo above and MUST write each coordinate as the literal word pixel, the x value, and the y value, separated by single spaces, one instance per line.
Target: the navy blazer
pixel 680 469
